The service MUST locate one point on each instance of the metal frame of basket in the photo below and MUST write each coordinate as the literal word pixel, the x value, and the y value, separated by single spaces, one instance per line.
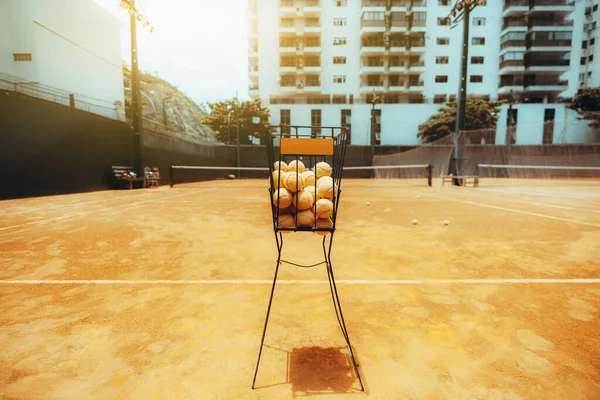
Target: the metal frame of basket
pixel 330 147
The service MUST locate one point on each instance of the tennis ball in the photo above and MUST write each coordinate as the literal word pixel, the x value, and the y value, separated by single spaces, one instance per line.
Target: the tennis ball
pixel 293 182
pixel 303 200
pixel 322 169
pixel 324 208
pixel 324 223
pixel 286 221
pixel 415 221
pixel 278 179
pixel 312 190
pixel 309 178
pixel 280 166
pixel 446 222
pixel 284 196
pixel 368 203
pixel 305 218
pixel 325 188
pixel 296 165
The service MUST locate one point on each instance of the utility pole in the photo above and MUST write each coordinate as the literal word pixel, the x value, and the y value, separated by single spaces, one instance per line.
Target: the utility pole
pixel 373 134
pixel 237 125
pixel 136 100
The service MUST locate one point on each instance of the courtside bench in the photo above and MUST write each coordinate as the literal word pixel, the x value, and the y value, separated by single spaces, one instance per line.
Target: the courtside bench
pixel 122 175
pixel 449 178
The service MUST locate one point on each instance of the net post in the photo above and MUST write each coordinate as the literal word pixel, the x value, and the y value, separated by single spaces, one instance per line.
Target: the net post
pixel 429 175
pixel 171 178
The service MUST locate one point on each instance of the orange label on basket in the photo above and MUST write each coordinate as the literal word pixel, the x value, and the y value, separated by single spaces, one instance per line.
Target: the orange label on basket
pixel 314 147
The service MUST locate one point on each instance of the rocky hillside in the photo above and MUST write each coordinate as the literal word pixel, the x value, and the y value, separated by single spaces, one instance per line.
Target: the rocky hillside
pixel 181 116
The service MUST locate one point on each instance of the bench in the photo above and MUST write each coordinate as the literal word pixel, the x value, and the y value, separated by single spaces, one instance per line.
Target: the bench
pixel 450 178
pixel 124 174
pixel 152 177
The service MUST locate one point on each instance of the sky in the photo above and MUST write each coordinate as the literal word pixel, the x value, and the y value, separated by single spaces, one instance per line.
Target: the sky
pixel 200 46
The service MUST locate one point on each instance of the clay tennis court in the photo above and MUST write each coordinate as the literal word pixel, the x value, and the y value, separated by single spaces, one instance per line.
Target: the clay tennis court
pixel 162 293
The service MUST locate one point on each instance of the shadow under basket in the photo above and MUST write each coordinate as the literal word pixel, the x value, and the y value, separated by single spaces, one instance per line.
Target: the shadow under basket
pixel 289 144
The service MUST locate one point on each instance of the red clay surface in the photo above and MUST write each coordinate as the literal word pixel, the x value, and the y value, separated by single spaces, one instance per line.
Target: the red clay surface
pixel 171 289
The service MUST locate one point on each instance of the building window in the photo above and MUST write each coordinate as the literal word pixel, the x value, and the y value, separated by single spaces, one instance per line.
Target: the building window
pixel 285 119
pixel 478 41
pixel 339 60
pixel 441 79
pixel 315 121
pixel 339 79
pixel 340 3
pixel 585 27
pixel 479 21
pixel 339 99
pixel 591 58
pixel 351 99
pixel 443 21
pixel 339 22
pixel 584 44
pixel 347 123
pixel 595 8
pixel 592 41
pixel 590 74
pixel 511 123
pixel 443 41
pixel 339 41
pixel 22 56
pixel 581 76
pixel 377 125
pixel 439 98
pixel 443 2
pixel 476 78
pixel 476 60
pixel 582 61
pixel 593 25
pixel 441 60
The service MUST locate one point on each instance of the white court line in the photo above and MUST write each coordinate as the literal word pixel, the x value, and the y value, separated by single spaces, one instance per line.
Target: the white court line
pixel 84 213
pixel 528 193
pixel 528 213
pixel 302 282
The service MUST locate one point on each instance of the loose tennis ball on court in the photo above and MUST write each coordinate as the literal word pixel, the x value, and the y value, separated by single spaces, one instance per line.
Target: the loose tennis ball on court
pixel 286 221
pixel 415 221
pixel 296 165
pixel 322 169
pixel 284 197
pixel 368 203
pixel 325 188
pixel 278 179
pixel 305 218
pixel 324 208
pixel 293 182
pixel 309 178
pixel 446 222
pixel 231 176
pixel 326 223
pixel 280 166
pixel 303 200
pixel 418 197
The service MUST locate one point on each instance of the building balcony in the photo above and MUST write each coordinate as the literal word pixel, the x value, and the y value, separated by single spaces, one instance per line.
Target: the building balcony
pixel 398 27
pixel 418 26
pixel 548 65
pixel 252 53
pixel 550 46
pixel 254 92
pixel 312 68
pixel 419 5
pixel 549 86
pixel 514 87
pixel 514 26
pixel 312 49
pixel 560 7
pixel 416 86
pixel 287 28
pixel 312 28
pixel 372 26
pixel 373 6
pixel 419 67
pixel 289 88
pixel 287 68
pixel 372 69
pixel 397 49
pixel 287 49
pixel 512 67
pixel 252 73
pixel 417 48
pixel 399 87
pixel 367 50
pixel 515 7
pixel 400 5
pixel 312 88
pixel 554 26
pixel 397 69
pixel 513 46
pixel 368 88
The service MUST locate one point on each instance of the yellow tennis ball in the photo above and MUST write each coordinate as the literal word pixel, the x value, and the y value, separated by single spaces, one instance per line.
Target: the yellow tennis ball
pixel 303 200
pixel 286 221
pixel 324 208
pixel 324 223
pixel 280 166
pixel 305 218
pixel 309 178
pixel 284 197
pixel 296 165
pixel 278 179
pixel 325 188
pixel 312 190
pixel 322 169
pixel 293 182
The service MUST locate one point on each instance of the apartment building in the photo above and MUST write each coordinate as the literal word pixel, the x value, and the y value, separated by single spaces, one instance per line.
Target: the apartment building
pixel 322 61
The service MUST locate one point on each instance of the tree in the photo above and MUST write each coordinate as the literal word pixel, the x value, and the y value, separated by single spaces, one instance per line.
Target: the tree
pixel 225 116
pixel 481 114
pixel 587 104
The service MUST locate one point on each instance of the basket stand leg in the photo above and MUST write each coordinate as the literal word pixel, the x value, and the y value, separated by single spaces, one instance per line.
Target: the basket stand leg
pixel 338 307
pixel 279 240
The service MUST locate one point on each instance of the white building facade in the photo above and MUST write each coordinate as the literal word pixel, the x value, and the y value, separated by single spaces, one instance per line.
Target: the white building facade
pixel 319 62
pixel 65 47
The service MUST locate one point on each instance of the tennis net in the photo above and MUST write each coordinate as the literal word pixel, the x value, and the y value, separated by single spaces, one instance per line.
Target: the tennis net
pixel 191 176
